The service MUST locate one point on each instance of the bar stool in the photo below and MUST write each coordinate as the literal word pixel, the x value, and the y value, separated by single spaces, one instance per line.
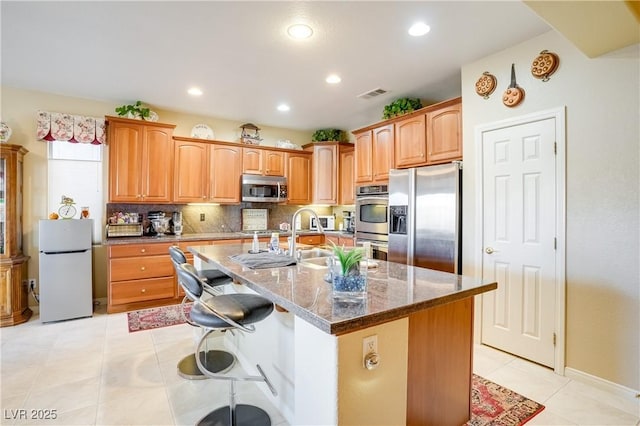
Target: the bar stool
pixel 216 360
pixel 225 312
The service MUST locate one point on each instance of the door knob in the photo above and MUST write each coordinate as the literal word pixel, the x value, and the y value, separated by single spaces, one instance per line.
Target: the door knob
pixel 489 250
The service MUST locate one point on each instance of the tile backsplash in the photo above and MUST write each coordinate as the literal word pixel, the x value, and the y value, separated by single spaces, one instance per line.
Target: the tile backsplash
pixel 221 218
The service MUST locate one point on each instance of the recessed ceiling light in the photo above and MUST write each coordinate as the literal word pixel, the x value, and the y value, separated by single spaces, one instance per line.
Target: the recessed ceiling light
pixel 283 107
pixel 194 91
pixel 333 79
pixel 419 29
pixel 299 31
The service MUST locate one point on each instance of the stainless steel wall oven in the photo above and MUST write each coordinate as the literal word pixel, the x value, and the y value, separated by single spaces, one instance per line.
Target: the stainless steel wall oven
pixel 372 218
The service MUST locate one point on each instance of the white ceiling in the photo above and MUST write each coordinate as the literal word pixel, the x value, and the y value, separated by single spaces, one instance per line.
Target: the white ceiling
pixel 238 53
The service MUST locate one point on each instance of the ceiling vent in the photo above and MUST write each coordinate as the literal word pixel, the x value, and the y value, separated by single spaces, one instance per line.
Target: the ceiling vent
pixel 372 93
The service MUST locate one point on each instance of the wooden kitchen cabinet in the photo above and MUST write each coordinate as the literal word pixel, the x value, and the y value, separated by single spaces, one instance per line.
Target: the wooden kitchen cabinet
pixel 374 155
pixel 206 172
pixel 266 162
pixel 340 239
pixel 444 134
pixel 433 137
pixel 311 240
pixel 140 276
pixel 14 294
pixel 325 174
pixel 140 161
pixel 226 165
pixel 298 172
pixel 347 176
pixel 410 142
pixel 326 170
pixel 364 157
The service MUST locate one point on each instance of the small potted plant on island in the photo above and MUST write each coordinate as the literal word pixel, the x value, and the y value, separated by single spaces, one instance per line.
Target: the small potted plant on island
pixel 348 278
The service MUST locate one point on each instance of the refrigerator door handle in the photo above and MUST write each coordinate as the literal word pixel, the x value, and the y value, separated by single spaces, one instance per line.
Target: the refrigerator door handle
pixel 64 252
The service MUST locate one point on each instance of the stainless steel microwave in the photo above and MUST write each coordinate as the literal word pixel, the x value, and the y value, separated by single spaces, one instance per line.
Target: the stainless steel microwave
pixel 265 189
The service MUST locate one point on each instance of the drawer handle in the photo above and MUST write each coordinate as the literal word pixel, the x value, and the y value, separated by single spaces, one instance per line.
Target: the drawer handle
pixel 143 250
pixel 142 268
pixel 144 290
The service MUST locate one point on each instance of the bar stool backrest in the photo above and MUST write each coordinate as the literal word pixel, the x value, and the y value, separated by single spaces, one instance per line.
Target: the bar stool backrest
pixel 188 279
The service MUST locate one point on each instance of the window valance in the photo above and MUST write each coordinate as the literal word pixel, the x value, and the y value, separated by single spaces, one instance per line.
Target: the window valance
pixel 57 126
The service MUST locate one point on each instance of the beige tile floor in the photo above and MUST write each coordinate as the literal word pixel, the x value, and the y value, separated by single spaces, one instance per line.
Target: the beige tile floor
pixel 94 372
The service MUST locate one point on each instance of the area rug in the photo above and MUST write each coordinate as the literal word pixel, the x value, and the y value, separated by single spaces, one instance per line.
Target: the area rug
pixel 165 316
pixel 492 404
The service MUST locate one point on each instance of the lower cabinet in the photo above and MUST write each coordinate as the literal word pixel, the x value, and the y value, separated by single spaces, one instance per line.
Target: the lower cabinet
pixel 140 276
pixel 340 240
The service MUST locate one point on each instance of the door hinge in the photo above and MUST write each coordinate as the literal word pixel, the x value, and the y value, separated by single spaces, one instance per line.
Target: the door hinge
pixel 555 243
pixel 554 339
pixel 555 148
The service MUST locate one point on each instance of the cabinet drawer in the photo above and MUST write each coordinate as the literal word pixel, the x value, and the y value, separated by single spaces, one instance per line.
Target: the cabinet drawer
pixel 313 240
pixel 147 249
pixel 135 268
pixel 142 290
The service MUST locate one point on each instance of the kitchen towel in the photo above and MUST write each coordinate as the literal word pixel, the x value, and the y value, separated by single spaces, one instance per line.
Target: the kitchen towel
pixel 263 260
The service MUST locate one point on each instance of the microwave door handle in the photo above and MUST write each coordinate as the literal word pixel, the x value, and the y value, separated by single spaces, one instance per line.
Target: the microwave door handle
pixel 372 198
pixel 278 183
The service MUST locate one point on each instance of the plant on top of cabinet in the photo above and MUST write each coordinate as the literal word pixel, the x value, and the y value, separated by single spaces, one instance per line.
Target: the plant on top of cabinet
pixel 134 111
pixel 400 107
pixel 325 135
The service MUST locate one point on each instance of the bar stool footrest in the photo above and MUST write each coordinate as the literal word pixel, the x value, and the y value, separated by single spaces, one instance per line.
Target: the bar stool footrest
pixel 216 361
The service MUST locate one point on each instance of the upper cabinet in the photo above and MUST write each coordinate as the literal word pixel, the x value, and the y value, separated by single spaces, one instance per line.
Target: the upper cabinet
pixel 410 145
pixel 374 154
pixel 431 135
pixel 346 193
pixel 140 161
pixel 207 172
pixel 259 161
pixel 444 139
pixel 325 173
pixel 329 169
pixel 298 172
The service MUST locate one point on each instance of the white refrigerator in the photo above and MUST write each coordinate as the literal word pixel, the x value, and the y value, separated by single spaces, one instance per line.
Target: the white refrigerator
pixel 66 287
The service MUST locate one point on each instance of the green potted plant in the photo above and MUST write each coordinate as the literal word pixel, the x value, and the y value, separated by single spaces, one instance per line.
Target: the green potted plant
pixel 324 135
pixel 134 111
pixel 400 107
pixel 348 280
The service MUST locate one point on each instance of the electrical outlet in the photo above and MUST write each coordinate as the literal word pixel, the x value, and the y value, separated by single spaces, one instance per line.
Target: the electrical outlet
pixel 201 217
pixel 32 283
pixel 369 344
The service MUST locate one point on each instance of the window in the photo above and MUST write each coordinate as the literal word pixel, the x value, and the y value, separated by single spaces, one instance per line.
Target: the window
pixel 75 170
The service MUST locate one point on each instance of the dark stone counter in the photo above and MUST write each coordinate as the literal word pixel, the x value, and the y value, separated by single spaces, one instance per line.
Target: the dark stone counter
pixel 394 290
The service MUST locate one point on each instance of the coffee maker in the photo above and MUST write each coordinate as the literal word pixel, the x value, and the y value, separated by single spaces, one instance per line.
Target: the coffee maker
pixel 176 218
pixel 348 221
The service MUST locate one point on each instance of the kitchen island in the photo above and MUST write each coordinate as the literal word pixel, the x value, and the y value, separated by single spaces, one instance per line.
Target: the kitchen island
pixel 313 345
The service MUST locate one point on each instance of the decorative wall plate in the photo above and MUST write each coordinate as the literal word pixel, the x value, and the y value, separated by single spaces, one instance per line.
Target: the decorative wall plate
pixel 544 65
pixel 486 84
pixel 202 131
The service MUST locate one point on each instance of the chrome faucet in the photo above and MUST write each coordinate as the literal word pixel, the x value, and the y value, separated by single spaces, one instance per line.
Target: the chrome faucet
pixel 292 246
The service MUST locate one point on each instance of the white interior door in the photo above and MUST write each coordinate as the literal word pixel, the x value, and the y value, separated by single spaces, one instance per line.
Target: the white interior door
pixel 519 239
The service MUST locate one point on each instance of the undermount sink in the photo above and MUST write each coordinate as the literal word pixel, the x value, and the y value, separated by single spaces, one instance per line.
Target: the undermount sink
pixel 315 258
pixel 315 252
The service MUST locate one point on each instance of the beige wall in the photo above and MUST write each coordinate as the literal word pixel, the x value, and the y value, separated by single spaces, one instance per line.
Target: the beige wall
pixel 19 111
pixel 602 185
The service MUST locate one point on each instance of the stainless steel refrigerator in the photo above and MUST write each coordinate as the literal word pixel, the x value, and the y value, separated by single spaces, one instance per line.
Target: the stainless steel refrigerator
pixel 66 287
pixel 425 208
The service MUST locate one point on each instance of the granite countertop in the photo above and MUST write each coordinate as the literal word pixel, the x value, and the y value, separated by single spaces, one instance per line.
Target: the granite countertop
pixel 209 236
pixel 394 290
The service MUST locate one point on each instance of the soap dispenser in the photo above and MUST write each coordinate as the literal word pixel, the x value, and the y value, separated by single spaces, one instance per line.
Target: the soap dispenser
pixel 255 246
